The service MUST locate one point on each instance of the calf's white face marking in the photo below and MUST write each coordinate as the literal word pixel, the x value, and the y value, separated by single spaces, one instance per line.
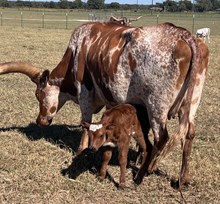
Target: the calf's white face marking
pixel 110 144
pixel 94 127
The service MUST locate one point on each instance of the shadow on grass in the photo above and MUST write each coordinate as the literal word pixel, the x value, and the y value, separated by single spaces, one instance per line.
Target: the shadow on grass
pixel 87 161
pixel 65 136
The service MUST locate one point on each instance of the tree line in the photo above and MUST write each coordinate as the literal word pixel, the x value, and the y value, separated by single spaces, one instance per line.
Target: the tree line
pixel 168 5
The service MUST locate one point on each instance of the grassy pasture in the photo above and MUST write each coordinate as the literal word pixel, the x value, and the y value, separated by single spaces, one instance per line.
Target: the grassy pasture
pixel 32 159
pixel 68 19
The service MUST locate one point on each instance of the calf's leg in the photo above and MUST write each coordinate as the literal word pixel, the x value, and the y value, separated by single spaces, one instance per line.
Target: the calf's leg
pixel 123 158
pixel 106 158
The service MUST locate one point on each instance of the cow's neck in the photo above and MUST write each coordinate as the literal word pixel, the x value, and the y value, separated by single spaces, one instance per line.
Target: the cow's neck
pixel 62 72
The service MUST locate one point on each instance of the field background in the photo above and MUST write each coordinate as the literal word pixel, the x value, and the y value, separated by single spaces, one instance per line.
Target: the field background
pixel 32 160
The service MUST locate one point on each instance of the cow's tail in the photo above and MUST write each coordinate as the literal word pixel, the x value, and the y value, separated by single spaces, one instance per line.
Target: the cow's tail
pixel 188 85
pixel 184 98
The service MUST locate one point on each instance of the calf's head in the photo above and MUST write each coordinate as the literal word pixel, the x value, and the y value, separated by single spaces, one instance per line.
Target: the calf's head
pixel 99 135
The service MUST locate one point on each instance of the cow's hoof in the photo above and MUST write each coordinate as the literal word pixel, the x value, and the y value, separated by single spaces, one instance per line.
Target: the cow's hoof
pixel 138 180
pixel 78 152
pixel 176 184
pixel 122 187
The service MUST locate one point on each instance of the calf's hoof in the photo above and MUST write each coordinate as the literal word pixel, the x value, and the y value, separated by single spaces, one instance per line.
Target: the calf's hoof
pixel 101 178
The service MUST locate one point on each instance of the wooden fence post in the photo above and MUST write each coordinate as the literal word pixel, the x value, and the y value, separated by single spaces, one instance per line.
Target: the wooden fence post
pixel 66 21
pixel 1 19
pixel 21 19
pixel 157 18
pixel 42 20
pixel 193 23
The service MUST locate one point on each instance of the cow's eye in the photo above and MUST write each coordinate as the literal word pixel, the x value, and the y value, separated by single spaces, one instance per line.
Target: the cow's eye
pixel 37 95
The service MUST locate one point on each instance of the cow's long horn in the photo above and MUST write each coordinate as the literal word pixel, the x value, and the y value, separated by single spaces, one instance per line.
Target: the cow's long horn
pixel 114 18
pixel 132 19
pixel 21 67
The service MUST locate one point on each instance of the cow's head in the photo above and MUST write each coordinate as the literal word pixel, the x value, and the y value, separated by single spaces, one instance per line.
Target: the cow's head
pixel 47 92
pixel 99 135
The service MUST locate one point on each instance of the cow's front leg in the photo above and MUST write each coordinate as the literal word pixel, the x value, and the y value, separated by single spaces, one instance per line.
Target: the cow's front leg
pixel 86 106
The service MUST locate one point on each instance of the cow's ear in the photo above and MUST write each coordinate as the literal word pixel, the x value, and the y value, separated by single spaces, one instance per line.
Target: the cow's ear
pixel 44 79
pixel 85 125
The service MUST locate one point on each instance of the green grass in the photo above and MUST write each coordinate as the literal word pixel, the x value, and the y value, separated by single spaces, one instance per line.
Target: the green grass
pixel 32 159
pixel 68 19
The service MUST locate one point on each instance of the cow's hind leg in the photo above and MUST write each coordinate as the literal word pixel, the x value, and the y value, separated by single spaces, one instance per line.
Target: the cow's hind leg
pixel 187 148
pixel 159 145
pixel 145 127
pixel 160 139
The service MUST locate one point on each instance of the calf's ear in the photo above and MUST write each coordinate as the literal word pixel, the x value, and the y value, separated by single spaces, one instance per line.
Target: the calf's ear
pixel 85 124
pixel 110 131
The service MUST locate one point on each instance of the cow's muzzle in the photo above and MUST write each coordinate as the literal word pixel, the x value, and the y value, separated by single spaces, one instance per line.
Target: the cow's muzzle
pixel 43 121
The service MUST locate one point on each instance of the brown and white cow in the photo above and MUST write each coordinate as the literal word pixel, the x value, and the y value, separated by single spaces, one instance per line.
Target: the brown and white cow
pixel 115 129
pixel 105 64
pixel 123 20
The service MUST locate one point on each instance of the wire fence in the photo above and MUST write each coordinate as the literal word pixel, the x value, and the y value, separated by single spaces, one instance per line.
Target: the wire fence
pixel 69 20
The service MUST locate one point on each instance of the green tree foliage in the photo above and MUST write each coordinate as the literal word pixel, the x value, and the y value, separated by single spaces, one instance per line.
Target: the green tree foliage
pixel 95 4
pixel 4 3
pixel 203 5
pixel 170 6
pixel 77 4
pixel 185 6
pixel 50 4
pixel 114 5
pixel 215 4
pixel 64 4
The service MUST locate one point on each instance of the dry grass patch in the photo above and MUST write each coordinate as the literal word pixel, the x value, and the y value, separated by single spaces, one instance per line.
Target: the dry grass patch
pixel 32 160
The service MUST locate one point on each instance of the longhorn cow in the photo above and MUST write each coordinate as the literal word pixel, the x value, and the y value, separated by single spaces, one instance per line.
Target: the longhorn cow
pixel 160 67
pixel 123 20
pixel 203 33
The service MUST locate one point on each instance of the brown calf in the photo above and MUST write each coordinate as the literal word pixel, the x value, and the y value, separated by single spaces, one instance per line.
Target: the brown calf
pixel 115 128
